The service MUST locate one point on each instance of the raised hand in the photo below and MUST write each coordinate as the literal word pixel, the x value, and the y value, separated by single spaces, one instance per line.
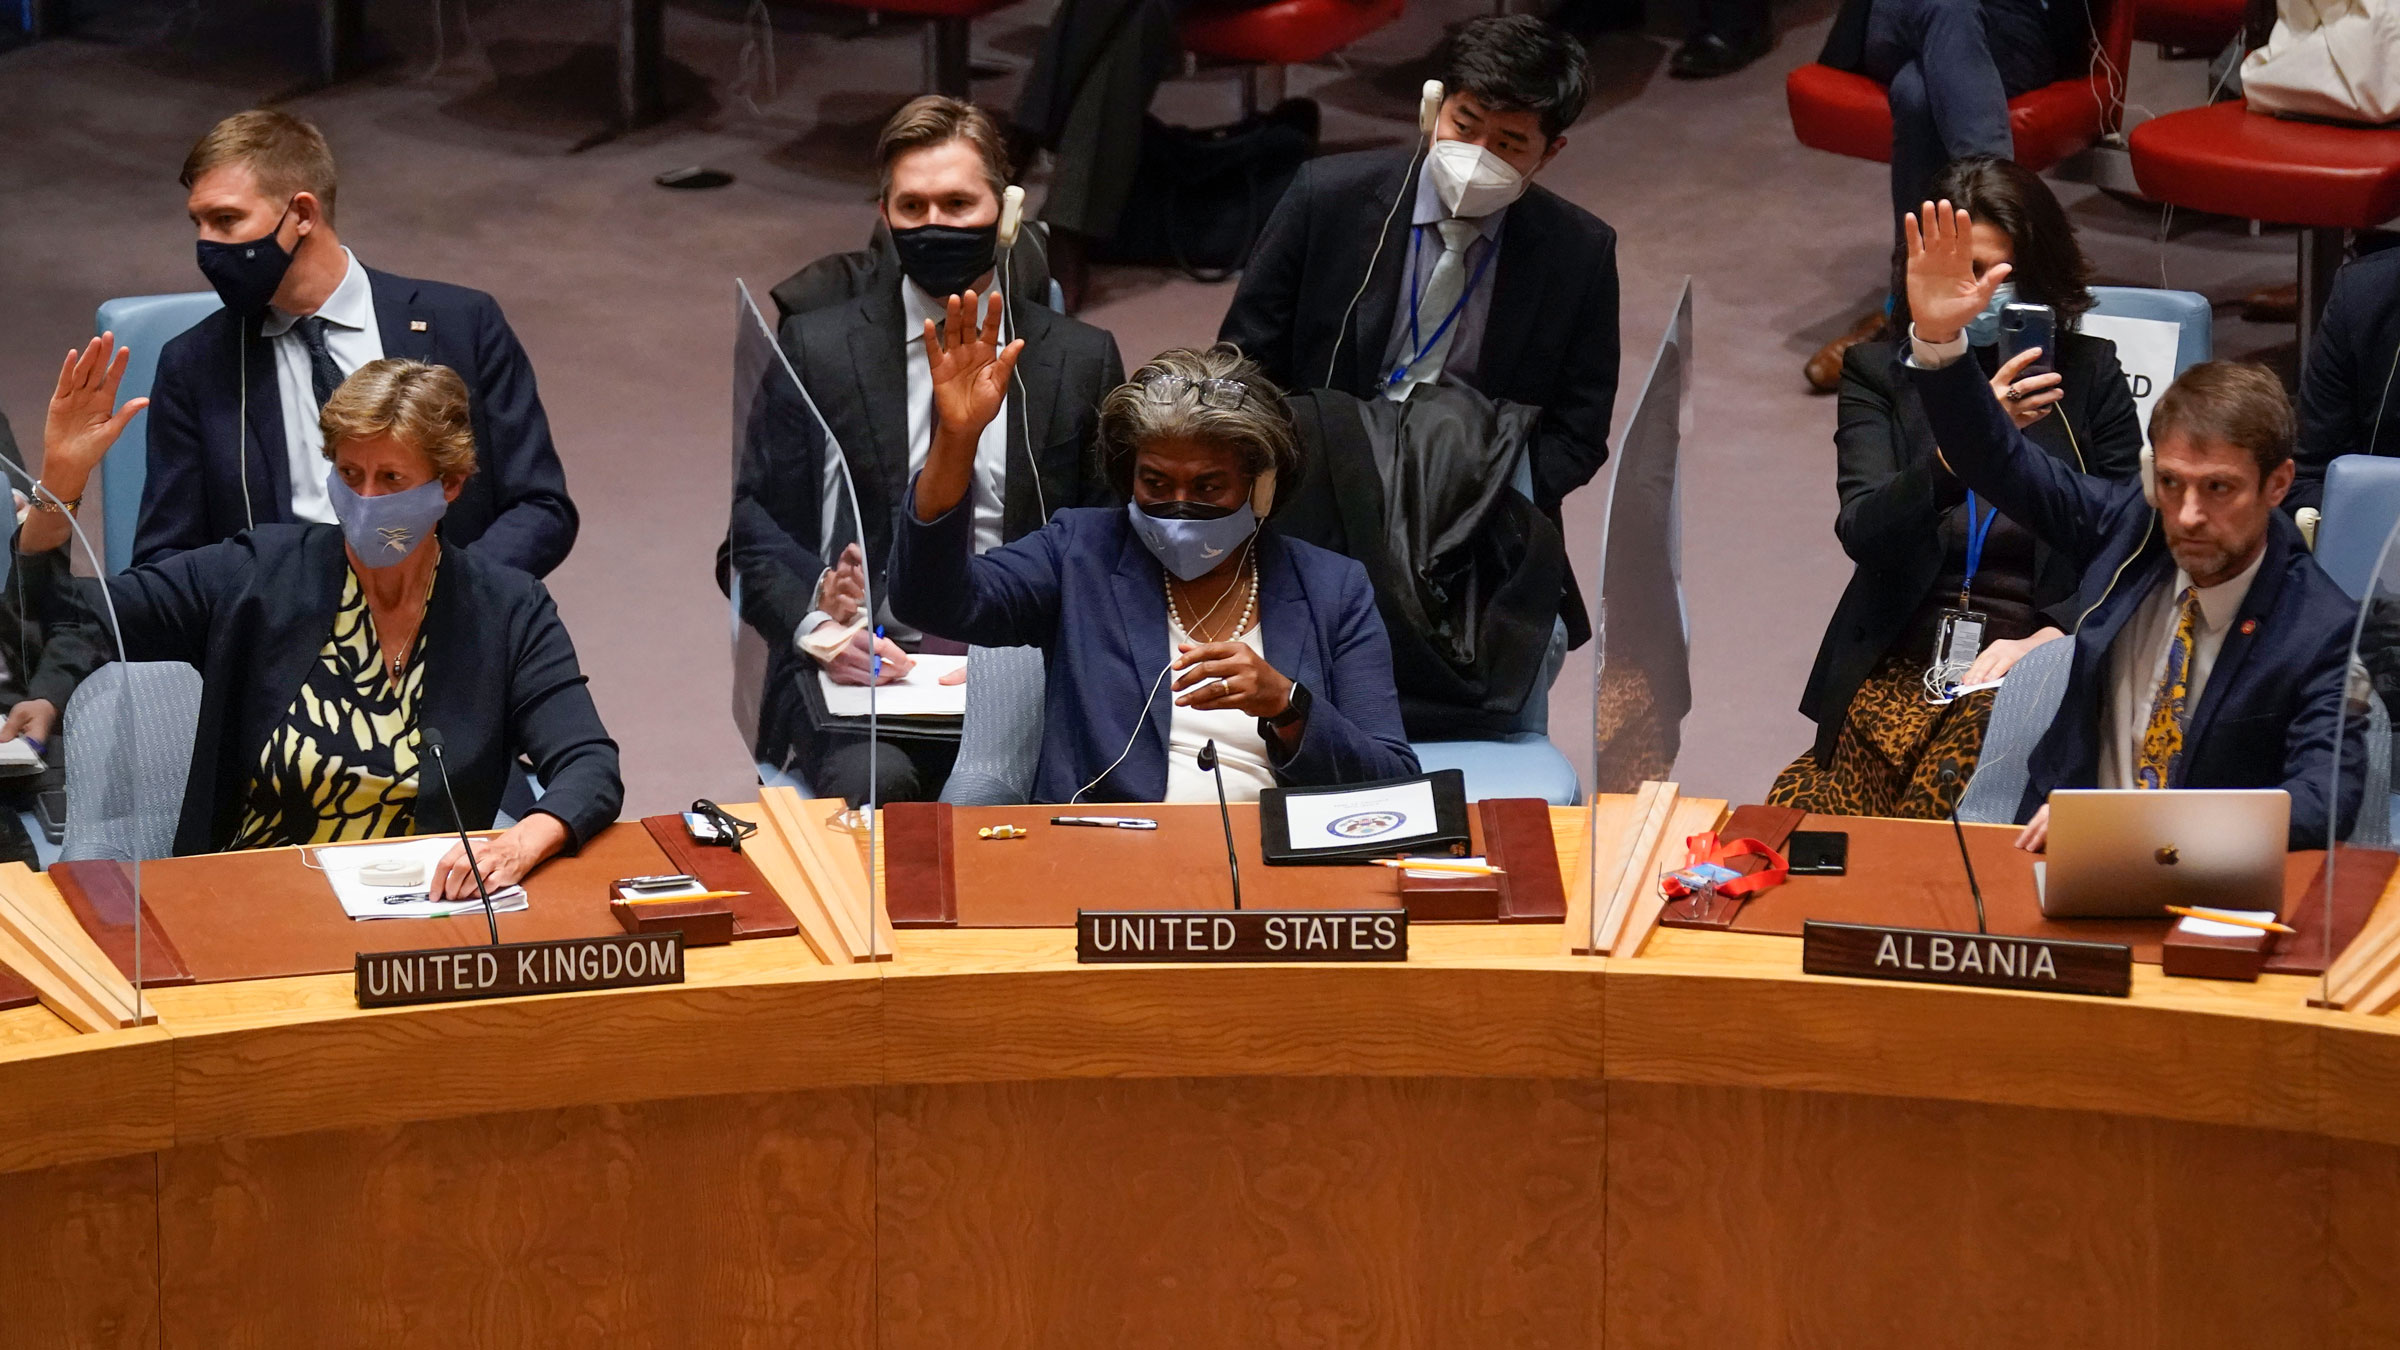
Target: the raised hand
pixel 84 419
pixel 970 367
pixel 1944 293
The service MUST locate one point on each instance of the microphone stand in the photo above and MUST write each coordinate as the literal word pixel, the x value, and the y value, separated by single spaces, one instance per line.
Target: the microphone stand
pixel 432 741
pixel 1951 776
pixel 1233 864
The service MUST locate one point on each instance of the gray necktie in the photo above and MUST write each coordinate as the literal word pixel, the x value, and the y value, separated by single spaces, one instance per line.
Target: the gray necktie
pixel 1434 303
pixel 323 374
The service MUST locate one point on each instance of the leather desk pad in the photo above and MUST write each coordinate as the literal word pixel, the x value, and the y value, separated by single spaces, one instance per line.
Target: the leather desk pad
pixel 265 915
pixel 1041 880
pixel 1907 872
pixel 15 993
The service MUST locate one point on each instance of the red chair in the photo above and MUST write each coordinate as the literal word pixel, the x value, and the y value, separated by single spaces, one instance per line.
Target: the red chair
pixel 1849 114
pixel 1282 33
pixel 2189 25
pixel 945 37
pixel 2228 160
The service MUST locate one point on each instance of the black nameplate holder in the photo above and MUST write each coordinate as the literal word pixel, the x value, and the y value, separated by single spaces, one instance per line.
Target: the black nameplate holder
pixel 452 974
pixel 1240 935
pixel 1987 961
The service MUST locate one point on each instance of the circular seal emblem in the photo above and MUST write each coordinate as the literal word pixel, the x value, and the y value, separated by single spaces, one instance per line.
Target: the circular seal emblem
pixel 1366 824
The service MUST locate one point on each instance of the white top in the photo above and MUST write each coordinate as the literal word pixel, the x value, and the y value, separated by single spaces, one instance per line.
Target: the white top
pixel 2137 664
pixel 1241 752
pixel 353 340
pixel 988 497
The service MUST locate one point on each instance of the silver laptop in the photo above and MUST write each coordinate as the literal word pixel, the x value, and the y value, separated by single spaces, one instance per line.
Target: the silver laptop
pixel 2129 853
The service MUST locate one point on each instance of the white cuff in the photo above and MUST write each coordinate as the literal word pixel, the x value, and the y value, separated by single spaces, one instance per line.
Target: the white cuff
pixel 809 623
pixel 1934 355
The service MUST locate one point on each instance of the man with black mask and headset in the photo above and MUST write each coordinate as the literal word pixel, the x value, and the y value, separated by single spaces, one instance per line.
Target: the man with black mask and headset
pixel 233 432
pixel 863 363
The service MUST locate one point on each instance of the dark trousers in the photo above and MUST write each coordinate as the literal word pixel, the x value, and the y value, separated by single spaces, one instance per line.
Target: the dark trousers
pixel 1952 66
pixel 907 769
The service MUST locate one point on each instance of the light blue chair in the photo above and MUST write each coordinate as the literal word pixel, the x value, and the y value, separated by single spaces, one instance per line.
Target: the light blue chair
pixel 1523 763
pixel 2362 500
pixel 2188 310
pixel 143 323
pixel 1000 740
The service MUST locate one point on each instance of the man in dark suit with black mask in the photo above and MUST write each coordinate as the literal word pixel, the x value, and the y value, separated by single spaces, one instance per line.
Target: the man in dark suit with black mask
pixel 863 363
pixel 233 410
pixel 1387 269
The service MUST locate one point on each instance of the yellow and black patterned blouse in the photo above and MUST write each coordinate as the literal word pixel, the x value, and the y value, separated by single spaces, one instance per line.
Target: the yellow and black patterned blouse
pixel 343 765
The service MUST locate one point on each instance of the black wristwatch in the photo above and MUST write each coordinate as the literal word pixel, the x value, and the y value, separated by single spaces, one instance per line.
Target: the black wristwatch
pixel 1294 713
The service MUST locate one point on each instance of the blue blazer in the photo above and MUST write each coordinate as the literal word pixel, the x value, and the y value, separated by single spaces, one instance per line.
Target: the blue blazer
pixel 514 510
pixel 1085 590
pixel 2271 715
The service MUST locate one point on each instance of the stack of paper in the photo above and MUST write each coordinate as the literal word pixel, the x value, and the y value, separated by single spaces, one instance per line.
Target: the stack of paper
pixel 367 900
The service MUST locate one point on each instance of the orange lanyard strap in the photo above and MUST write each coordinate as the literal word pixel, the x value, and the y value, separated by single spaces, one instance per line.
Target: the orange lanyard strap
pixel 1709 866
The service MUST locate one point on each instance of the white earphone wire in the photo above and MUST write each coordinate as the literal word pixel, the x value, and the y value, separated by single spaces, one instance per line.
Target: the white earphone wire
pixel 1141 720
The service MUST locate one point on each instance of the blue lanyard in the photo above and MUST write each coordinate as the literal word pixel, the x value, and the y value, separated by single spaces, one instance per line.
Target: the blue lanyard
pixel 1416 238
pixel 1977 532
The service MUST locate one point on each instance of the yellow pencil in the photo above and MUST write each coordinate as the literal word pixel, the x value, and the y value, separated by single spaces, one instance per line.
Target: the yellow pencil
pixel 671 899
pixel 2238 921
pixel 1430 865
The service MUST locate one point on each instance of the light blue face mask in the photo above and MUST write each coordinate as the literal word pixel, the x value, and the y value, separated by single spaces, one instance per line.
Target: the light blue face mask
pixel 384 531
pixel 1192 548
pixel 1984 329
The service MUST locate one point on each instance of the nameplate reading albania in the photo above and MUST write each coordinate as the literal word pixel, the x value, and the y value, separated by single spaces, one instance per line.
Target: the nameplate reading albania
pixel 1241 935
pixel 448 974
pixel 1989 961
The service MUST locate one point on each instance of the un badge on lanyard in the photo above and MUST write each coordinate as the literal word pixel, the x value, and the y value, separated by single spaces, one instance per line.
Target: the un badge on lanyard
pixel 1960 638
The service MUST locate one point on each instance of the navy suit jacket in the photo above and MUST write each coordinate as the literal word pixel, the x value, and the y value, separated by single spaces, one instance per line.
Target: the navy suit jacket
pixel 251 614
pixel 1085 590
pixel 2271 715
pixel 2348 387
pixel 514 510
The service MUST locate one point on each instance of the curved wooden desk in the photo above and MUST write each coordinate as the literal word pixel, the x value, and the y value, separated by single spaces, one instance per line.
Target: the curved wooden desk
pixel 982 1144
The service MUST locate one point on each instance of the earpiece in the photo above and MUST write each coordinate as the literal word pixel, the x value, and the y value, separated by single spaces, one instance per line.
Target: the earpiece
pixel 1429 112
pixel 1429 107
pixel 1262 494
pixel 2149 478
pixel 1012 214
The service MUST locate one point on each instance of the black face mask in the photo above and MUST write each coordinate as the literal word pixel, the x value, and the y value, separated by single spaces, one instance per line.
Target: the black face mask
pixel 944 260
pixel 1180 510
pixel 245 275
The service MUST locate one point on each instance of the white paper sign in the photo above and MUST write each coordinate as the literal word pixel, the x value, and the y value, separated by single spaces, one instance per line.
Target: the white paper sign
pixel 2146 349
pixel 1376 816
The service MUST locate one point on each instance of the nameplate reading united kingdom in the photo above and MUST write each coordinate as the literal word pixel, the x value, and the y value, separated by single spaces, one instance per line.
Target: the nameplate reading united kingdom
pixel 450 974
pixel 1986 960
pixel 1247 935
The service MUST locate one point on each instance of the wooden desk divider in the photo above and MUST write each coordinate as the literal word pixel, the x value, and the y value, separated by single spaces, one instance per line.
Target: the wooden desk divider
pixel 920 873
pixel 2364 976
pixel 1624 871
pixel 42 943
pixel 833 903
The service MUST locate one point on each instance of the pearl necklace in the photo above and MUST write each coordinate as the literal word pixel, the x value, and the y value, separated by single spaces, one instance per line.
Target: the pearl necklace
pixel 1175 611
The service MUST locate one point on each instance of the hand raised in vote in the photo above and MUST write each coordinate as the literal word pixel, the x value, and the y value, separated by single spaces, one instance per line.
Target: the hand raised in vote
pixel 1245 682
pixel 2027 400
pixel 1943 291
pixel 970 367
pixel 84 419
pixel 843 589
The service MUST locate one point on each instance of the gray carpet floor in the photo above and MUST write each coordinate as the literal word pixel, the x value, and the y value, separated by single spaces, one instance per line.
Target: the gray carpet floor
pixel 466 155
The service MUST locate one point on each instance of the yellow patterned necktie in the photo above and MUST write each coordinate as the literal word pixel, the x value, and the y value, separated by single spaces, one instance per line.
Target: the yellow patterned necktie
pixel 2162 740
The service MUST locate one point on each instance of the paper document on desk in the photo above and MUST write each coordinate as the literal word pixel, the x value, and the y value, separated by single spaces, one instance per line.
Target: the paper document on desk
pixel 920 694
pixel 1386 816
pixel 363 899
pixel 2192 927
pixel 17 758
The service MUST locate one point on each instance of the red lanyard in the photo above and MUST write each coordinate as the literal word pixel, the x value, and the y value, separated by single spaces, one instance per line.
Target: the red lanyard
pixel 1706 848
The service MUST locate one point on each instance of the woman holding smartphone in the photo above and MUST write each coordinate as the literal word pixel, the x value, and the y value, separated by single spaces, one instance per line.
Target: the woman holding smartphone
pixel 1948 592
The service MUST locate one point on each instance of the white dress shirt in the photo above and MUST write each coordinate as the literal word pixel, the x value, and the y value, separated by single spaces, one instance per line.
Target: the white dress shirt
pixel 988 496
pixel 2137 664
pixel 1241 751
pixel 353 340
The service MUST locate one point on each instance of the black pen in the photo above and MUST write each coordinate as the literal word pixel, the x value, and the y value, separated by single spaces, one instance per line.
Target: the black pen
pixel 1108 822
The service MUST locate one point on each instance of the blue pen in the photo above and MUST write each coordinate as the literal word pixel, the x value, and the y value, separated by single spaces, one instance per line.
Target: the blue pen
pixel 875 656
pixel 36 743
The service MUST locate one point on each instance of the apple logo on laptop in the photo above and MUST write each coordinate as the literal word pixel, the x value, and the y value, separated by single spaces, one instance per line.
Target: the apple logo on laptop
pixel 2168 855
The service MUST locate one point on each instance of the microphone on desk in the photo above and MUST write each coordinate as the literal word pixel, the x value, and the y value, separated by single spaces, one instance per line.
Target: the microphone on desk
pixel 430 741
pixel 1233 864
pixel 1949 777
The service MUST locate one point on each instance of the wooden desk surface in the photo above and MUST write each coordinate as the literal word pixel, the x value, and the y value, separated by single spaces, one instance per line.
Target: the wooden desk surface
pixel 1489 1144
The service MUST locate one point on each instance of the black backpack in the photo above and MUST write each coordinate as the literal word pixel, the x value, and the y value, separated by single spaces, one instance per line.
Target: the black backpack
pixel 1201 195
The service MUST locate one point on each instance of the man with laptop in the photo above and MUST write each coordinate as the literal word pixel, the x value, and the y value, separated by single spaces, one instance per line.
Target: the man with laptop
pixel 2211 652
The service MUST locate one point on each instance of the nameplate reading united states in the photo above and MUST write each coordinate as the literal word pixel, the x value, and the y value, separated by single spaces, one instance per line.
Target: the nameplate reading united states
pixel 1241 935
pixel 449 974
pixel 1989 961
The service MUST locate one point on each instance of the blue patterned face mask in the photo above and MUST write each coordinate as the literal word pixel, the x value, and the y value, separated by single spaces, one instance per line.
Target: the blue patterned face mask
pixel 385 530
pixel 1984 329
pixel 1187 544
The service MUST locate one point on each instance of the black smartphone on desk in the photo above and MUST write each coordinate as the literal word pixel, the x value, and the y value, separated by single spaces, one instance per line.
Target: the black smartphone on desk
pixel 1818 853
